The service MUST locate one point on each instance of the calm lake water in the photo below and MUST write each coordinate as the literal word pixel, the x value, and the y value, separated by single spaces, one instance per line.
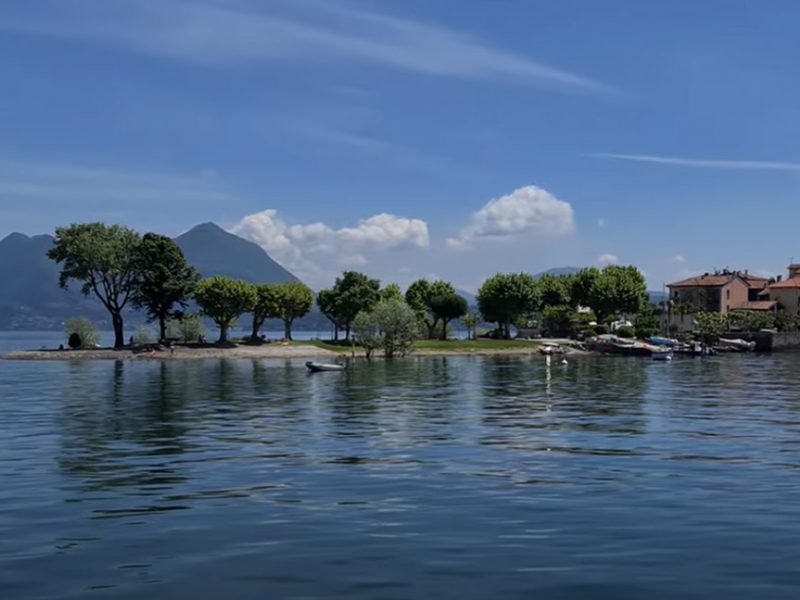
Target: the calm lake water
pixel 426 478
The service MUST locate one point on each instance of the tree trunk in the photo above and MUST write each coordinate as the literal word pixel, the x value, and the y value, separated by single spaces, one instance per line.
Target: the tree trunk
pixel 162 327
pixel 444 330
pixel 256 326
pixel 119 333
pixel 287 329
pixel 223 334
pixel 335 333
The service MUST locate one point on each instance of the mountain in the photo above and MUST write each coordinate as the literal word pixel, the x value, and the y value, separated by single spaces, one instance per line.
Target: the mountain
pixel 472 301
pixel 558 271
pixel 214 251
pixel 30 297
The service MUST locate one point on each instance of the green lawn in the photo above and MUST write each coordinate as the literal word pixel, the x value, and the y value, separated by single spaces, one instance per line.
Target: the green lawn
pixel 481 345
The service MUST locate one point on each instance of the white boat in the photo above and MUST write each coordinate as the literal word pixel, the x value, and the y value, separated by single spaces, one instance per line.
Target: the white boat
pixel 662 354
pixel 316 367
pixel 737 344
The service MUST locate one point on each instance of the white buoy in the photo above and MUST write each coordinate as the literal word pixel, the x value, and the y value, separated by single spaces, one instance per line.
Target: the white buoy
pixel 564 362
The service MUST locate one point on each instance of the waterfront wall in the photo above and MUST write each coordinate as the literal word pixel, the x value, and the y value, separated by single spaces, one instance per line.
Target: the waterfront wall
pixel 768 342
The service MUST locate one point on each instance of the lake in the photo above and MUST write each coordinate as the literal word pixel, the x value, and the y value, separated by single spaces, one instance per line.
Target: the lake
pixel 457 477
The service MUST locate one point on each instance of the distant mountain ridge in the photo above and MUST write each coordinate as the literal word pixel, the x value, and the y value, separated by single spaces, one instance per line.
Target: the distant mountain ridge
pixel 31 299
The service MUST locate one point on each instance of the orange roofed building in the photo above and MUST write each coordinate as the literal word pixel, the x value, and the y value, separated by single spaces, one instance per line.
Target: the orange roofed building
pixel 787 292
pixel 722 292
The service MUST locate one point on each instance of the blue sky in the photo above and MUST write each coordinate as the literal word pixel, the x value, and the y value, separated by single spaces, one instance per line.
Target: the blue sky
pixel 418 138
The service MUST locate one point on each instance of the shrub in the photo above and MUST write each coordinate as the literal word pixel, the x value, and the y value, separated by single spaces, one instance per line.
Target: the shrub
pixel 81 333
pixel 141 337
pixel 191 327
pixel 626 332
pixel 600 329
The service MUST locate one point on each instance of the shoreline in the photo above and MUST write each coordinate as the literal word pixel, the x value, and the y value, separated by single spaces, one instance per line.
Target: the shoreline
pixel 266 351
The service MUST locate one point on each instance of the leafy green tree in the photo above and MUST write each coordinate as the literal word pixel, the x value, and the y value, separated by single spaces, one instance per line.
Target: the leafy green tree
pixel 581 285
pixel 102 258
pixel 353 293
pixel 505 297
pixel 391 326
pixel 293 300
pixel 419 296
pixel 266 306
pixel 163 279
pixel 391 292
pixel 327 301
pixel 555 290
pixel 710 325
pixel 84 329
pixel 647 322
pixel 470 321
pixel 367 333
pixel 191 327
pixel 750 320
pixel 446 308
pixel 224 300
pixel 618 290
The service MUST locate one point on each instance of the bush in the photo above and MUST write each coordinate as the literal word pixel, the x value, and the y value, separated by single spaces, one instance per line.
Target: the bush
pixel 391 326
pixel 191 327
pixel 141 337
pixel 626 332
pixel 600 329
pixel 81 333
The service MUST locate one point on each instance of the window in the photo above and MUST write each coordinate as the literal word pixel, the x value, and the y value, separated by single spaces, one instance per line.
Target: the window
pixel 727 294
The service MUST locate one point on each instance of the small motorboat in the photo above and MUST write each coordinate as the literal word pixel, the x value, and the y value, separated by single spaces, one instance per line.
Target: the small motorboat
pixel 665 354
pixel 550 349
pixel 316 367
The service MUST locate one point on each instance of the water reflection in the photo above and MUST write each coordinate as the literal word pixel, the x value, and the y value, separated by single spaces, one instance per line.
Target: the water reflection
pixel 456 476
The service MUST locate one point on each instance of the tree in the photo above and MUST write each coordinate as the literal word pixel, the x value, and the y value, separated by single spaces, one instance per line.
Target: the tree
pixel 265 307
pixel 446 308
pixel 505 297
pixel 581 285
pixel 710 325
pixel 391 325
pixel 470 321
pixel 102 258
pixel 293 300
pixel 327 301
pixel 555 290
pixel 353 293
pixel 617 290
pixel 81 333
pixel 391 292
pixel 419 295
pixel 163 279
pixel 224 300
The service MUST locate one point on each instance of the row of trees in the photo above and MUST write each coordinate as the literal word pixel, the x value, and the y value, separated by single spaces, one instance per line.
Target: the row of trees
pixel 149 272
pixel 514 298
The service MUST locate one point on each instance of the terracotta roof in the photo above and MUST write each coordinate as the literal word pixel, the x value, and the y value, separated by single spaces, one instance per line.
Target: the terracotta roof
pixel 756 282
pixel 794 282
pixel 704 281
pixel 756 305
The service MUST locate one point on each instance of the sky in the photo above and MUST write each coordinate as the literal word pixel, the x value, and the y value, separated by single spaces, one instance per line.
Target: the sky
pixel 423 138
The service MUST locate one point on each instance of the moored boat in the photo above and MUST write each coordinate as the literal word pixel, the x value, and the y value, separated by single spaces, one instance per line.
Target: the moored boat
pixel 316 367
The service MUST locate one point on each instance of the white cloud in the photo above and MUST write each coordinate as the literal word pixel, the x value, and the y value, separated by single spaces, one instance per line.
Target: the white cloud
pixel 316 251
pixel 213 34
pixel 678 259
pixel 739 165
pixel 608 259
pixel 528 210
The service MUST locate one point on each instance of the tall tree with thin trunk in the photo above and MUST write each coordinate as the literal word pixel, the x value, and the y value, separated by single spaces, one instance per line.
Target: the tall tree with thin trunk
pixel 294 300
pixel 224 300
pixel 266 306
pixel 103 259
pixel 163 279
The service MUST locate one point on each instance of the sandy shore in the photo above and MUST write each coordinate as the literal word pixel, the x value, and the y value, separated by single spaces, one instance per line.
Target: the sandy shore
pixel 179 353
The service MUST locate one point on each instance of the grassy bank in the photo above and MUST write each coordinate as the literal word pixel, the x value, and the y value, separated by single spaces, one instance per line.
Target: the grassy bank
pixel 440 346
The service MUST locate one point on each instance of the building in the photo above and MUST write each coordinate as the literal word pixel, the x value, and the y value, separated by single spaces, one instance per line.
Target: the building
pixel 722 292
pixel 786 292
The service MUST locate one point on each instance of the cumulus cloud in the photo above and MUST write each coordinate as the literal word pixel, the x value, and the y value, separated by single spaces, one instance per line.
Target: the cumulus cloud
pixel 529 210
pixel 608 259
pixel 315 251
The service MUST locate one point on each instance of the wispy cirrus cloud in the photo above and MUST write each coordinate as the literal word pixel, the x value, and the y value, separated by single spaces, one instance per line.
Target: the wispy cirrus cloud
pixel 206 33
pixel 702 163
pixel 22 181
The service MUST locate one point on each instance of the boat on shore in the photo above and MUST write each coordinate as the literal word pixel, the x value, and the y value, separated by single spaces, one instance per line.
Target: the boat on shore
pixel 735 345
pixel 316 367
pixel 612 344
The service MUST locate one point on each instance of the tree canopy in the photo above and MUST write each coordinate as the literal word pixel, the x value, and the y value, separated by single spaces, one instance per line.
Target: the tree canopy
pixel 102 258
pixel 419 296
pixel 293 300
pixel 266 306
pixel 447 307
pixel 163 279
pixel 507 296
pixel 352 293
pixel 616 290
pixel 391 325
pixel 224 300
